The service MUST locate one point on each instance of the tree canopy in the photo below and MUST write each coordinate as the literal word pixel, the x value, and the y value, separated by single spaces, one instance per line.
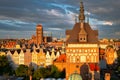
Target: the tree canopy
pixel 5 67
pixel 22 71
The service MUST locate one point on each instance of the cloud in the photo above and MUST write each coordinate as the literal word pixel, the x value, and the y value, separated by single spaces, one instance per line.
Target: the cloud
pixel 14 22
pixel 24 15
pixel 99 22
pixel 63 6
pixel 107 23
pixel 54 13
pixel 56 29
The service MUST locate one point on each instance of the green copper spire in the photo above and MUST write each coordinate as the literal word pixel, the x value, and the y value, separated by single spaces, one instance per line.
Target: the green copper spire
pixel 81 15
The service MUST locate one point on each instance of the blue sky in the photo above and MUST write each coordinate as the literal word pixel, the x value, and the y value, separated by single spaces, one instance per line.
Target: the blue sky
pixel 18 18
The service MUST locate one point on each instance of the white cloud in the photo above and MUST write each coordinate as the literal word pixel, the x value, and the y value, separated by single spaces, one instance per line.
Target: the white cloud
pixel 54 13
pixel 99 22
pixel 68 18
pixel 57 29
pixel 13 22
pixel 108 23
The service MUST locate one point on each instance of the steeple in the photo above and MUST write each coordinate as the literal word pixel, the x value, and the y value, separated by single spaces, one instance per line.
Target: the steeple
pixel 82 34
pixel 81 15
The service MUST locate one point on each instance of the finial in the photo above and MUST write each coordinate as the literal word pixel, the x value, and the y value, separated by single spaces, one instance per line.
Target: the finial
pixel 81 15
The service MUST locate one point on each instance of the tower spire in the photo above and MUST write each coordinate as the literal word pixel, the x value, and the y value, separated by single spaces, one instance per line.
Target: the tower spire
pixel 82 34
pixel 81 14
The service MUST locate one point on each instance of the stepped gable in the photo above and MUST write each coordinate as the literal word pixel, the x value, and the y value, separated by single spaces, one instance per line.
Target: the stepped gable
pixel 92 35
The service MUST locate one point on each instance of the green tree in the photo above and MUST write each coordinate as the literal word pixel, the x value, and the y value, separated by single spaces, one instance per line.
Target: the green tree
pixel 62 73
pixel 5 67
pixel 22 71
pixel 41 73
pixel 55 73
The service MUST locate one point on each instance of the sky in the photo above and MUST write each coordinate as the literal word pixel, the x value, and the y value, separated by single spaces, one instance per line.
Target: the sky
pixel 19 18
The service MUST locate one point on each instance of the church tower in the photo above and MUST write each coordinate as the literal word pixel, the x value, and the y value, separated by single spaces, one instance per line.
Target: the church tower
pixel 39 34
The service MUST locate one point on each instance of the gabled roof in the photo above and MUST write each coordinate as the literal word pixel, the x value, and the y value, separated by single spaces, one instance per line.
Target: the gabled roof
pixel 92 35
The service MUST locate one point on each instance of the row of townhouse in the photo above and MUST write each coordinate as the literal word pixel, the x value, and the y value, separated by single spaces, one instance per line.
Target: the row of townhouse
pixel 37 59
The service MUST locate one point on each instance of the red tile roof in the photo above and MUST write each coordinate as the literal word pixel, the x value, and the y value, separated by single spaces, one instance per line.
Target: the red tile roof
pixel 61 58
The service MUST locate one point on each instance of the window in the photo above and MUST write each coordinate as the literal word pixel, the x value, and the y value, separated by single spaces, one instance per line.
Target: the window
pixel 92 58
pixel 95 50
pixel 91 50
pixel 73 50
pixel 72 59
pixel 80 50
pixel 83 59
pixel 86 50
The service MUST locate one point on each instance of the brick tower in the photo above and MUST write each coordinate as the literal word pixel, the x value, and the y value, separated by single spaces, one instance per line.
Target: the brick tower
pixel 39 34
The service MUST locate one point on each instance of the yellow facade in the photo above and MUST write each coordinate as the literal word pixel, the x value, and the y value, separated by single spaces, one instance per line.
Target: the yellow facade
pixel 21 57
pixel 41 58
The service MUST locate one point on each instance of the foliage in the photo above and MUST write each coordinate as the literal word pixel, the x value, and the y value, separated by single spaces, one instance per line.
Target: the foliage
pixel 41 73
pixel 55 73
pixel 5 67
pixel 62 74
pixel 51 72
pixel 22 71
